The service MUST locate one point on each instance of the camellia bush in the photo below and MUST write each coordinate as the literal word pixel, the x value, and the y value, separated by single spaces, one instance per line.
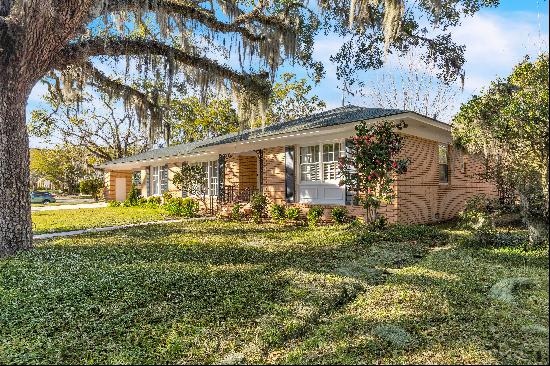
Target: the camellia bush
pixel 371 164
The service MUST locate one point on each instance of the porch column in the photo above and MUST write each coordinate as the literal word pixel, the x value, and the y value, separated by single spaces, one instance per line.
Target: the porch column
pixel 221 177
pixel 260 154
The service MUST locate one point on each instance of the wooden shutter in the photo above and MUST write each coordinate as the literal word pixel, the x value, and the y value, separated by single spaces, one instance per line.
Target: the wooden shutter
pixel 184 193
pixel 148 180
pixel 221 177
pixel 290 175
pixel 163 178
pixel 348 145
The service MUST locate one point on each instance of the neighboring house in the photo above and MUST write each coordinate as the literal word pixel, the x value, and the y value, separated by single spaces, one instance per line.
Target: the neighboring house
pixel 296 162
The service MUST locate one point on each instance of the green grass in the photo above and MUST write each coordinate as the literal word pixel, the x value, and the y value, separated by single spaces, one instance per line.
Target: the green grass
pixel 85 218
pixel 206 292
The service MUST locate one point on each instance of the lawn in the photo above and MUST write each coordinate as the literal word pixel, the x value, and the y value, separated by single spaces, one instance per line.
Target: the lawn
pixel 210 292
pixel 85 218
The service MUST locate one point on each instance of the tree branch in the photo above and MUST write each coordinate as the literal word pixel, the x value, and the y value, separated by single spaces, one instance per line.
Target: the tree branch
pixel 188 11
pixel 80 51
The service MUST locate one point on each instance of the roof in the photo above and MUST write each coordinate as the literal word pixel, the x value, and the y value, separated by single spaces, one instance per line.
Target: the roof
pixel 333 117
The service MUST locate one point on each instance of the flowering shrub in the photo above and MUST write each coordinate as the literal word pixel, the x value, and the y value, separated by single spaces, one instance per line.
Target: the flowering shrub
pixel 371 165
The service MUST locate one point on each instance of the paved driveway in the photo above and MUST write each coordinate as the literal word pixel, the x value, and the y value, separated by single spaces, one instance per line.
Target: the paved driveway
pixel 70 207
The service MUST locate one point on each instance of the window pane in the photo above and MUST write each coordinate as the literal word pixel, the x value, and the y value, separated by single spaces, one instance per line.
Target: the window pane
pixel 156 180
pixel 443 154
pixel 443 173
pixel 331 153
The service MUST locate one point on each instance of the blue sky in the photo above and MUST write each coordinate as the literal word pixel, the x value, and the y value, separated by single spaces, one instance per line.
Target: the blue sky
pixel 496 39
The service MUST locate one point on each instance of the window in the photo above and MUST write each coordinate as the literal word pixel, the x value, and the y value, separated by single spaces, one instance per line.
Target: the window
pixel 155 182
pixel 331 153
pixel 309 163
pixel 211 170
pixel 213 178
pixel 443 164
pixel 136 178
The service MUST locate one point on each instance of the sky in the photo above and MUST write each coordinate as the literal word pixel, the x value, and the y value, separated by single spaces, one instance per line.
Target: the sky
pixel 496 39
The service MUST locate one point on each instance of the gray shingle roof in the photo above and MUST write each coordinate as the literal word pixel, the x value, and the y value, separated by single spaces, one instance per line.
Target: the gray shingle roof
pixel 333 117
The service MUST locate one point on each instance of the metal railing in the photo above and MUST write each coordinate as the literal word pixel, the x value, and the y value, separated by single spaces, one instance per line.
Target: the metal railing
pixel 234 194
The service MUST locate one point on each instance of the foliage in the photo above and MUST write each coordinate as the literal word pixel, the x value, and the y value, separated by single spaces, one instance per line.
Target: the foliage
pixel 258 203
pixel 314 215
pixel 192 120
pixel 134 196
pixel 508 124
pixel 142 201
pixel 290 99
pixel 277 212
pixel 292 213
pixel 154 201
pixel 193 180
pixel 166 196
pixel 339 214
pixel 93 122
pixel 185 207
pixel 236 211
pixel 128 203
pixel 372 163
pixel 286 295
pixel 92 186
pixel 379 223
pixel 65 166
pixel 114 203
pixel 86 218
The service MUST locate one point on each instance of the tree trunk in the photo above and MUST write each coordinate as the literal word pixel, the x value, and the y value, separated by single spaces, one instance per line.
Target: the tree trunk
pixel 15 209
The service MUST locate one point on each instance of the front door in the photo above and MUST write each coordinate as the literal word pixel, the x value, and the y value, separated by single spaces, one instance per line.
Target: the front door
pixel 120 189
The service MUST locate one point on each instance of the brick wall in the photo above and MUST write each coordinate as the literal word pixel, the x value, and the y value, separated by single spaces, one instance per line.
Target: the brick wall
pixel 240 170
pixel 274 174
pixel 110 183
pixel 420 196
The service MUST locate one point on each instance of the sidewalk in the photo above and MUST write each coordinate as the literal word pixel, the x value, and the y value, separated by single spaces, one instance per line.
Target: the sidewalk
pixel 111 228
pixel 70 207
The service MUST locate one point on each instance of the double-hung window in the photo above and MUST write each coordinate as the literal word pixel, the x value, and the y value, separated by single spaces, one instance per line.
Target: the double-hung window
pixel 331 153
pixel 443 163
pixel 155 181
pixel 309 163
pixel 210 168
pixel 320 162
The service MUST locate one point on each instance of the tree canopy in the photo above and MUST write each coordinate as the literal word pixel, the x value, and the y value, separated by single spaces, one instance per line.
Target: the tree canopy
pixel 508 124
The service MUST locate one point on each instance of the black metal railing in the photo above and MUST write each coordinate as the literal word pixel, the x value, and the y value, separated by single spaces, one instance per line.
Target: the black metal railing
pixel 234 194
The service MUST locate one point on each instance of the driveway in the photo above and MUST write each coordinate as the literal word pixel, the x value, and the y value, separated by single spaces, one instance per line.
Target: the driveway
pixel 70 207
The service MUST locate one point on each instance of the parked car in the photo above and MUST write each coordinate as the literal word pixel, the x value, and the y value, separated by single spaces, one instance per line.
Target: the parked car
pixel 42 197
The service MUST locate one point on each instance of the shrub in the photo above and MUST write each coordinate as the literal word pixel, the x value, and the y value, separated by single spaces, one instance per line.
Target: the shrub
pixel 277 212
pixel 133 196
pixel 142 201
pixel 293 213
pixel 339 214
pixel 127 203
pixel 258 203
pixel 314 215
pixel 236 211
pixel 166 196
pixel 379 223
pixel 92 186
pixel 114 203
pixel 185 207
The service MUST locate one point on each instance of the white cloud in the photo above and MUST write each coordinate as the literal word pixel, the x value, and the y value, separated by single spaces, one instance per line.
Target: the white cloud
pixel 495 43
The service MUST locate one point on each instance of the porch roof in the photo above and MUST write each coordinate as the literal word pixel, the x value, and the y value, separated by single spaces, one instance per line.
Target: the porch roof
pixel 333 117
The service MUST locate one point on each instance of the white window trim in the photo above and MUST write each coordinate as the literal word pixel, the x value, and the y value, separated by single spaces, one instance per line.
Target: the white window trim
pixel 151 180
pixel 320 163
pixel 209 176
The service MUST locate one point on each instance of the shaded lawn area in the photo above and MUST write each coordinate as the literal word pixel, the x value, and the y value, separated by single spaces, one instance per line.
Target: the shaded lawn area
pixel 208 292
pixel 85 218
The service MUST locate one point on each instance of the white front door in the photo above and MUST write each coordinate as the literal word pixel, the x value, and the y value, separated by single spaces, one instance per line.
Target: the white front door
pixel 120 189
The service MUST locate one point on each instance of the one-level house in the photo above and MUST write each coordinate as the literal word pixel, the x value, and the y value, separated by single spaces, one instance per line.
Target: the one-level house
pixel 296 162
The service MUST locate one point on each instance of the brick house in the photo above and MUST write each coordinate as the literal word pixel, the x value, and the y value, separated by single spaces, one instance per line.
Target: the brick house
pixel 295 162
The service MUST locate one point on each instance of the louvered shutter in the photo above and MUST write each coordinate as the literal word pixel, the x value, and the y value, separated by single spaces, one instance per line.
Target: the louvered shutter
pixel 349 193
pixel 164 179
pixel 148 180
pixel 290 174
